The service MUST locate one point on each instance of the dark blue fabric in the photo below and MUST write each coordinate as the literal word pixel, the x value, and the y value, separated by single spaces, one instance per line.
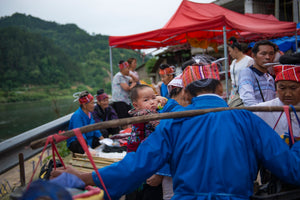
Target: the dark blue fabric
pixel 212 156
pixel 80 119
pixel 43 188
pixel 69 181
pixel 164 91
pixel 284 43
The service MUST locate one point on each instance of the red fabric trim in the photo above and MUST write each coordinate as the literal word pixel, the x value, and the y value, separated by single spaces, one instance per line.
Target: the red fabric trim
pixel 287 112
pixel 85 148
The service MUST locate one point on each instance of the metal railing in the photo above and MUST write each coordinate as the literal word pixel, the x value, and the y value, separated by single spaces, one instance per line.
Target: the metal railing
pixel 10 148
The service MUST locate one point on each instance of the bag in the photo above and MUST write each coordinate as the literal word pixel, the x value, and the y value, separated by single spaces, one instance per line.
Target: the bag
pixel 47 168
pixel 236 101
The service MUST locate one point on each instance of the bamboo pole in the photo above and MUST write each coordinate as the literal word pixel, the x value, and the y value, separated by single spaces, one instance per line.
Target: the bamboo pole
pixel 140 119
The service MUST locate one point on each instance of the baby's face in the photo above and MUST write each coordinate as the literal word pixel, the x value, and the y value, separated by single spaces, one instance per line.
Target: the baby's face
pixel 146 100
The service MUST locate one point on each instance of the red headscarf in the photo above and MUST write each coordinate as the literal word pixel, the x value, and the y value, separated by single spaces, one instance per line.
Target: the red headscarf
pixel 86 99
pixel 169 70
pixel 123 65
pixel 102 96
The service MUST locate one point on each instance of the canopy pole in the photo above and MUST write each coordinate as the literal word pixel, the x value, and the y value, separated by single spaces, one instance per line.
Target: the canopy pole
pixel 226 60
pixel 296 40
pixel 111 68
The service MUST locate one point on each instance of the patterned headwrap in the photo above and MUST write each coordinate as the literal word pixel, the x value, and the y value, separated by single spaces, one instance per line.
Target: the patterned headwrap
pixel 86 99
pixel 123 65
pixel 102 96
pixel 168 70
pixel 287 73
pixel 198 72
pixel 175 83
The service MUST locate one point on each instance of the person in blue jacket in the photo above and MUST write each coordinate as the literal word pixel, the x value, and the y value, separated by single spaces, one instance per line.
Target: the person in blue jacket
pixel 167 73
pixel 211 156
pixel 83 117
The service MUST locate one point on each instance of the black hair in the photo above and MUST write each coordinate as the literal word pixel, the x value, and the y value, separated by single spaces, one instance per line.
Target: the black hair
pixel 209 86
pixel 255 48
pixel 134 91
pixel 121 61
pixel 175 91
pixel 187 63
pixel 164 66
pixel 290 59
pixel 101 91
pixel 234 43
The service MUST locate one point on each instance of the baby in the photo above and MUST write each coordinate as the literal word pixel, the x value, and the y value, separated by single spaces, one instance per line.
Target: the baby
pixel 145 102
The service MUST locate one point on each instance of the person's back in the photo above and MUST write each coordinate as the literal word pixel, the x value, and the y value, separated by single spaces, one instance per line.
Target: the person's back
pixel 212 156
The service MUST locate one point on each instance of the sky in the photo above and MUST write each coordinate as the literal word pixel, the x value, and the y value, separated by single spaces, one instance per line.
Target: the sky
pixel 105 17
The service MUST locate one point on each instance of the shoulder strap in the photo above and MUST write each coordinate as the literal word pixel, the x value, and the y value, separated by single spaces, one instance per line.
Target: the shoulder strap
pixel 288 117
pixel 261 94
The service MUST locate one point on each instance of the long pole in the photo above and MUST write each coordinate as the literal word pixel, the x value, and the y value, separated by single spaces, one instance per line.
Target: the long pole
pixel 140 119
pixel 111 67
pixel 226 60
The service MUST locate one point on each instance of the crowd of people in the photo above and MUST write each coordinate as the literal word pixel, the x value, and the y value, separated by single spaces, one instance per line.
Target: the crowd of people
pixel 212 156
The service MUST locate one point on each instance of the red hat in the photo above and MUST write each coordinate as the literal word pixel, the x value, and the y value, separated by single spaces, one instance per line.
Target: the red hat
pixel 123 65
pixel 168 70
pixel 287 73
pixel 86 99
pixel 102 96
pixel 198 72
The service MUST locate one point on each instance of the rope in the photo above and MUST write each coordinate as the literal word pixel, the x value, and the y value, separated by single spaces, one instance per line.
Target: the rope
pixel 85 148
pixel 54 149
pixel 288 117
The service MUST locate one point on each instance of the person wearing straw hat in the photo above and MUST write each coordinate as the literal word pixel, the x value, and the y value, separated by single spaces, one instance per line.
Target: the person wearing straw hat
pixel 211 156
pixel 82 117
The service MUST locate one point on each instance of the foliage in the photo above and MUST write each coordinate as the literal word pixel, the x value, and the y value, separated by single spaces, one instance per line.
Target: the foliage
pixel 150 64
pixel 37 52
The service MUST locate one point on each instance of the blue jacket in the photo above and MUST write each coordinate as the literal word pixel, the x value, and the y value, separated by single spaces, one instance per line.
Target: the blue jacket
pixel 164 91
pixel 80 119
pixel 211 156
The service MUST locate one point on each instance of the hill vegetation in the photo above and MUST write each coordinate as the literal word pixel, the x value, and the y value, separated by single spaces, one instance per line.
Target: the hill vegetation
pixel 37 53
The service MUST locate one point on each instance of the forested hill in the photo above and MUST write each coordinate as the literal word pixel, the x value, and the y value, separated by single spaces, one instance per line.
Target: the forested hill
pixel 38 52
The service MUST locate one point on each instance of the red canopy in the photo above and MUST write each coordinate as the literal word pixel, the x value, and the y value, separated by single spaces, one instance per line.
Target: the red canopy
pixel 201 25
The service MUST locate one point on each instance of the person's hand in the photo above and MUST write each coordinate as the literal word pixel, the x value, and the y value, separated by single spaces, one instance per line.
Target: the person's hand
pixel 133 84
pixel 154 180
pixel 161 100
pixel 69 169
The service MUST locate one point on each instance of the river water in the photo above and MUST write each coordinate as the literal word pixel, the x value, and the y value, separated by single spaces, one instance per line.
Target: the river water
pixel 16 118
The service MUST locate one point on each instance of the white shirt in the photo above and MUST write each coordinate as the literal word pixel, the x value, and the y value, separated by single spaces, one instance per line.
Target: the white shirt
pixel 271 118
pixel 236 67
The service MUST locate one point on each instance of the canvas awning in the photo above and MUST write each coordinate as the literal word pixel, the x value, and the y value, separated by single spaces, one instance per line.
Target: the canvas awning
pixel 203 25
pixel 200 22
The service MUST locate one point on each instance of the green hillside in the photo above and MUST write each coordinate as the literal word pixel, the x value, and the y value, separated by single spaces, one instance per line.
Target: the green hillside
pixel 37 52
